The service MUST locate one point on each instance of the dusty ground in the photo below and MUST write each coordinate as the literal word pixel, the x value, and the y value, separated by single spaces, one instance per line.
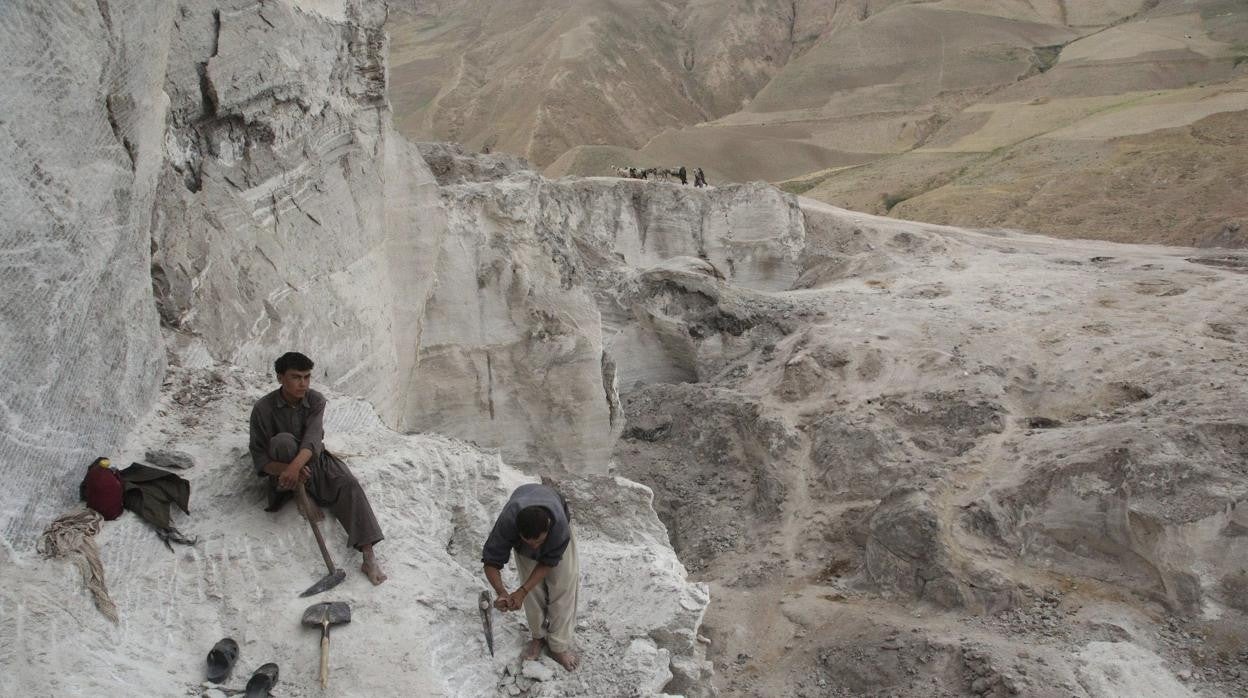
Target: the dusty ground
pixel 974 463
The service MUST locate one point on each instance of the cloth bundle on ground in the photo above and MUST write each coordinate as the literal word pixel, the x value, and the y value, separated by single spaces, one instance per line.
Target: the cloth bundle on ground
pixel 149 492
pixel 74 533
pixel 101 489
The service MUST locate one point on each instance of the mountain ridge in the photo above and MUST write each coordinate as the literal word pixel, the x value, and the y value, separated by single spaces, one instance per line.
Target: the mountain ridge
pixel 875 103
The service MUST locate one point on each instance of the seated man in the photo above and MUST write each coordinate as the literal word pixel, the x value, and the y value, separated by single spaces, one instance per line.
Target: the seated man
pixel 535 523
pixel 286 445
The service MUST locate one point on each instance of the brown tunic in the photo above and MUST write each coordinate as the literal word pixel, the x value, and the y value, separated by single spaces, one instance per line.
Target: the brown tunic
pixel 280 430
pixel 272 415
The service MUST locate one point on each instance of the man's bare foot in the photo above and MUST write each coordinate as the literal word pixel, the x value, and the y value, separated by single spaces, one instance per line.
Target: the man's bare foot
pixel 371 569
pixel 532 651
pixel 567 660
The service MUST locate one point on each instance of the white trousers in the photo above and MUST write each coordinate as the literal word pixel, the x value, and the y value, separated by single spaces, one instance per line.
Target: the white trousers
pixel 551 607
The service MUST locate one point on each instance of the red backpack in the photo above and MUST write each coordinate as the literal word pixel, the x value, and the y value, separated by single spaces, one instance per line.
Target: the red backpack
pixel 102 490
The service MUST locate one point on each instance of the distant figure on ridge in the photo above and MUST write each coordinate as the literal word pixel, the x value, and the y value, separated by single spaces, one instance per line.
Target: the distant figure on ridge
pixel 286 445
pixel 535 524
pixel 683 174
pixel 699 178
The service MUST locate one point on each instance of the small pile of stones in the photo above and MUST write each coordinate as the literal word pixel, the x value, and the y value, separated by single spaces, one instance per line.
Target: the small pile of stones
pixel 525 678
pixel 985 679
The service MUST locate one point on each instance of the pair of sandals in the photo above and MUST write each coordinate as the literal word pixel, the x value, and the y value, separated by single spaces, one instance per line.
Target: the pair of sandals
pixel 221 662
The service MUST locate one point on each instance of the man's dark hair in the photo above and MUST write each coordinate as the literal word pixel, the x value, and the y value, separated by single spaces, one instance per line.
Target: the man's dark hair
pixel 533 522
pixel 292 360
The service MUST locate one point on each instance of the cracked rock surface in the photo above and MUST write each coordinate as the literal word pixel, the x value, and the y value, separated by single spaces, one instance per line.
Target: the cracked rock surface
pixel 902 459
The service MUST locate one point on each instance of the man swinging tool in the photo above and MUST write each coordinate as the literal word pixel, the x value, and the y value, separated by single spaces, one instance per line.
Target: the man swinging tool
pixel 535 524
pixel 286 445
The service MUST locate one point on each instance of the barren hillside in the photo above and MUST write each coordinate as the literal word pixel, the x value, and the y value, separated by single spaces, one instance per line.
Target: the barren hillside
pixel 1077 118
pixel 537 78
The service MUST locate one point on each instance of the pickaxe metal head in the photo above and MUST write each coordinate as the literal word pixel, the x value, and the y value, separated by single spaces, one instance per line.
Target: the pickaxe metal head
pixel 486 605
pixel 327 582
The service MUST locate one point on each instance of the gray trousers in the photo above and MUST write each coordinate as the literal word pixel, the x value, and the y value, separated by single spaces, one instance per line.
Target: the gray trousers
pixel 333 487
pixel 550 608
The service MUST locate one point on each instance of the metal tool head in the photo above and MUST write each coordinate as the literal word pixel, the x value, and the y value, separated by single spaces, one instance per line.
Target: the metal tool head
pixel 331 612
pixel 487 623
pixel 329 581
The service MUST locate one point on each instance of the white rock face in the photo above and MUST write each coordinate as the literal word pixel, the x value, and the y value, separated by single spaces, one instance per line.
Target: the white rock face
pixel 753 233
pixel 247 149
pixel 504 323
pixel 291 215
pixel 81 137
pixel 532 292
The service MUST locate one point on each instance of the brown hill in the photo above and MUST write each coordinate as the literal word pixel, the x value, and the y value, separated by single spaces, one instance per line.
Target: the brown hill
pixel 1076 118
pixel 537 77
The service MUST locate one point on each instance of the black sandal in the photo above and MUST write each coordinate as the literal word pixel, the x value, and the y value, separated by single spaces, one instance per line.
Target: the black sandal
pixel 261 682
pixel 221 660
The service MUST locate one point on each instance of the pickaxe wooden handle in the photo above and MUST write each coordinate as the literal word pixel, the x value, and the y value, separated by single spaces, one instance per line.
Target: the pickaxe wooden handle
pixel 305 508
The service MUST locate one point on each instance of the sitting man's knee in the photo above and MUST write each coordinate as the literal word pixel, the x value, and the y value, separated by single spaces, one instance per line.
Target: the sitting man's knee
pixel 283 447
